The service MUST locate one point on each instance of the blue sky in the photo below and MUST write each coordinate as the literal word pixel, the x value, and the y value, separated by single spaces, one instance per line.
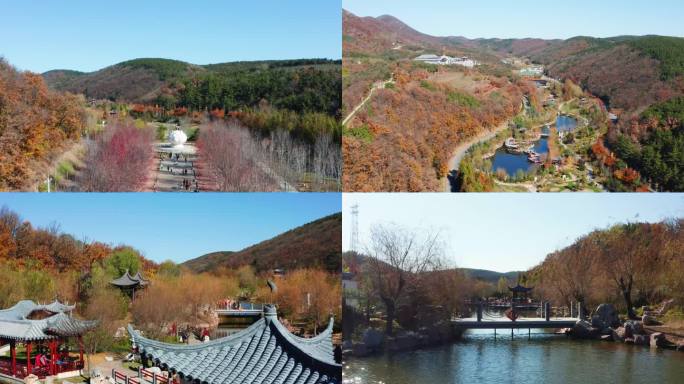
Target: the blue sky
pixel 531 18
pixel 505 232
pixel 174 226
pixel 88 35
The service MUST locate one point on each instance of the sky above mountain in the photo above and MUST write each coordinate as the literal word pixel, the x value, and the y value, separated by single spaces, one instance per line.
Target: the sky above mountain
pixel 530 18
pixel 88 35
pixel 173 226
pixel 503 231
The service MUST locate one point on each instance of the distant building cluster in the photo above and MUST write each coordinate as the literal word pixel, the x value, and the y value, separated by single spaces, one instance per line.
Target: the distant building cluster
pixel 532 70
pixel 447 60
pixel 512 61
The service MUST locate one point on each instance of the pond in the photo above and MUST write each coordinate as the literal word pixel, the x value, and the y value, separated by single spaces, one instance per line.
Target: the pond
pixel 565 123
pixel 545 358
pixel 512 162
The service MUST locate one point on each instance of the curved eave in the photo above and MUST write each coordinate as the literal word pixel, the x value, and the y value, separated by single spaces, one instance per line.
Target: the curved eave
pixel 317 351
pixel 167 347
pixel 314 353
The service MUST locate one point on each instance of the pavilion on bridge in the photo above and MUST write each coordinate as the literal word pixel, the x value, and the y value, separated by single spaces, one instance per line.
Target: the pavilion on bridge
pixel 265 352
pixel 130 283
pixel 42 329
pixel 520 293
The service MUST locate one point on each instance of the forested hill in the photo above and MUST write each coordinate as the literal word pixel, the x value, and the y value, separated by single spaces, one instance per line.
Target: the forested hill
pixel 629 265
pixel 304 85
pixel 316 244
pixel 490 276
pixel 627 72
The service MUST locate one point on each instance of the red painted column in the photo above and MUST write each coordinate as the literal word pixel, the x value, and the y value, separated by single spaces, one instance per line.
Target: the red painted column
pixel 80 350
pixel 13 353
pixel 28 358
pixel 53 353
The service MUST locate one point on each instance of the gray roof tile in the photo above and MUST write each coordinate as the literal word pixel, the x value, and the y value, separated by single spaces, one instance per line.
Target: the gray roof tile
pixel 265 353
pixel 15 324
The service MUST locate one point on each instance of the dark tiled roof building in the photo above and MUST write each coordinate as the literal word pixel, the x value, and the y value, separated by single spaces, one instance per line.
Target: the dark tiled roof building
pixel 128 281
pixel 266 352
pixel 40 325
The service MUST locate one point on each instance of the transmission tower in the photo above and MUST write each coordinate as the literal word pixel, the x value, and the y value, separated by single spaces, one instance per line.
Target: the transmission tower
pixel 354 245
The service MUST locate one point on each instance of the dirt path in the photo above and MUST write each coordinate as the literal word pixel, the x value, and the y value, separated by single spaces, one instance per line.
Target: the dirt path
pixel 529 186
pixel 377 85
pixel 74 155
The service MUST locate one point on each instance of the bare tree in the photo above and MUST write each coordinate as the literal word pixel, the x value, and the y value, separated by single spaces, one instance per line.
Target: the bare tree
pixel 396 257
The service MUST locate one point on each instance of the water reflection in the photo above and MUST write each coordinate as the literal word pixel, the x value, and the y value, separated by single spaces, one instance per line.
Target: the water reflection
pixel 545 358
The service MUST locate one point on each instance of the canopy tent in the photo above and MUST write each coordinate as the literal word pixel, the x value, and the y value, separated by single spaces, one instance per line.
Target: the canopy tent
pixel 266 352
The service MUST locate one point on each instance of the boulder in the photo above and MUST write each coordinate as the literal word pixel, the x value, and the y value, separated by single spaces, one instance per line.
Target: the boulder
pixel 437 334
pixel 405 342
pixel 373 338
pixel 633 327
pixel 583 330
pixel 619 334
pixel 629 340
pixel 658 340
pixel 606 338
pixel 605 316
pixel 641 340
pixel 650 320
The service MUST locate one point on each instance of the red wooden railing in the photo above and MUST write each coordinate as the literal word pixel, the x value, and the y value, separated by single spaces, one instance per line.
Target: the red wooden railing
pixel 153 377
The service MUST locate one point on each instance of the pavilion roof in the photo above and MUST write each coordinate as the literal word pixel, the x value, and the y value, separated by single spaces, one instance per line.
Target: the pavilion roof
pixel 138 276
pixel 15 324
pixel 520 288
pixel 126 280
pixel 266 352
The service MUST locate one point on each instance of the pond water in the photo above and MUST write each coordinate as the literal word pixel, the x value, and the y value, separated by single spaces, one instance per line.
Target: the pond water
pixel 545 358
pixel 512 162
pixel 565 123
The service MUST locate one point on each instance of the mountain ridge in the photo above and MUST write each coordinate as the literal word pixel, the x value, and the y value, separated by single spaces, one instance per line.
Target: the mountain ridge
pixel 144 80
pixel 316 244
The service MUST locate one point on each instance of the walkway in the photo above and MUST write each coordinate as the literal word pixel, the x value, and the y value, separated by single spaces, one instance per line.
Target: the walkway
pixel 376 85
pixel 175 172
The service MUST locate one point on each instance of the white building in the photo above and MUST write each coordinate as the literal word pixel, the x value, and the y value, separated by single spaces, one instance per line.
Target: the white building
pixel 532 70
pixel 447 60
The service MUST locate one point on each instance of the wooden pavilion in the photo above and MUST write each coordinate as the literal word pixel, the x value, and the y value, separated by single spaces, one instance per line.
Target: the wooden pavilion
pixel 520 293
pixel 130 283
pixel 43 329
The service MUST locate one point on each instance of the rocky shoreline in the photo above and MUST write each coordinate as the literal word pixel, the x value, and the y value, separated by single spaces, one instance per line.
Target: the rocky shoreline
pixel 375 341
pixel 605 325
